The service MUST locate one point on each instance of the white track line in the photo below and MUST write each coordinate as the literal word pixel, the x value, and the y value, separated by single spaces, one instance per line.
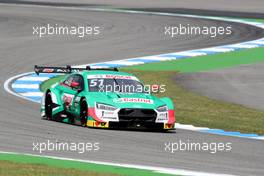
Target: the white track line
pixel 32 94
pixel 217 49
pixel 246 46
pixel 189 54
pixel 133 166
pixel 26 86
pixel 7 83
pixel 123 62
pixel 156 58
pixel 32 78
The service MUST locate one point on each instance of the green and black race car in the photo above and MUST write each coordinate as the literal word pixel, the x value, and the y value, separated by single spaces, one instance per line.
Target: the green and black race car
pixel 104 98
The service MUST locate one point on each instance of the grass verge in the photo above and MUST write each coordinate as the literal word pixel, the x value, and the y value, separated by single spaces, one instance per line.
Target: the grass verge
pixel 255 20
pixel 46 84
pixel 21 169
pixel 209 62
pixel 24 165
pixel 198 110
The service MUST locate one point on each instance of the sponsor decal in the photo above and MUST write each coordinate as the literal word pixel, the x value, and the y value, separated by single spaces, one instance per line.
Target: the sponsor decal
pixel 62 70
pixel 133 100
pixel 67 99
pixel 105 76
pixel 76 101
pixel 48 70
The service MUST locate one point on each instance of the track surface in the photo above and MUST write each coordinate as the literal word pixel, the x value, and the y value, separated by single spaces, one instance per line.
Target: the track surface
pixel 253 6
pixel 124 36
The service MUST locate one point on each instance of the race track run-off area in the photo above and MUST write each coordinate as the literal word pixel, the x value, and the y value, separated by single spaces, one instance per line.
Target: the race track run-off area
pixel 125 147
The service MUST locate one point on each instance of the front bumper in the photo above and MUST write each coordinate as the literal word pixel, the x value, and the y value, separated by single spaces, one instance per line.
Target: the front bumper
pixel 130 125
pixel 131 119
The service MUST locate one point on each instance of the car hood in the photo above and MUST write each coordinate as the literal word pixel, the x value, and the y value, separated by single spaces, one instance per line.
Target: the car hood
pixel 127 100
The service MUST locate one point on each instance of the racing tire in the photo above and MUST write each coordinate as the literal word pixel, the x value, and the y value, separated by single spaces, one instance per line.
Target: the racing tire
pixel 83 112
pixel 48 106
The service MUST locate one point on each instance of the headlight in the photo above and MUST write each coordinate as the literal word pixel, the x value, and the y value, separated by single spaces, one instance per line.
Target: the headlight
pixel 105 107
pixel 162 108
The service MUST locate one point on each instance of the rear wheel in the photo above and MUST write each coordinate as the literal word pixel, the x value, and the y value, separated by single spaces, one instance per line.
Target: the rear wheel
pixel 48 106
pixel 83 113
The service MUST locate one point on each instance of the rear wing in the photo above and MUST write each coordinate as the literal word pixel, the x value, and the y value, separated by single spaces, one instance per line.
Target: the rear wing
pixel 66 70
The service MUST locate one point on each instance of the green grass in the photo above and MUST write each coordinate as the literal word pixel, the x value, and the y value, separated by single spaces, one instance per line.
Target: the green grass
pixel 209 62
pixel 46 84
pixel 19 164
pixel 198 110
pixel 245 19
pixel 8 168
pixel 255 20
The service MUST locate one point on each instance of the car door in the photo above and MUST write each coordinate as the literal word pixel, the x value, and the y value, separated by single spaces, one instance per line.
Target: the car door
pixel 71 87
pixel 74 106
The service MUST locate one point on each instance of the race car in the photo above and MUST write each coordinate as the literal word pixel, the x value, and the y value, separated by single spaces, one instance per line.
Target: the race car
pixel 104 98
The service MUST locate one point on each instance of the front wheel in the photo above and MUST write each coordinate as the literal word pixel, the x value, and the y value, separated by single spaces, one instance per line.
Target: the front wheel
pixel 83 113
pixel 48 106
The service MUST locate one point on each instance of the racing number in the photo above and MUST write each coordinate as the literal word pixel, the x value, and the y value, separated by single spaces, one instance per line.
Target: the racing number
pixel 95 82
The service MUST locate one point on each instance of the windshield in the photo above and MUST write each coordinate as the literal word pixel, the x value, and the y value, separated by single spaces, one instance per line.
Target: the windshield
pixel 115 85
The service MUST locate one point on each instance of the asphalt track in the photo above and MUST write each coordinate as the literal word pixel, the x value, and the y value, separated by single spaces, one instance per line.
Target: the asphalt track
pixel 243 6
pixel 123 36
